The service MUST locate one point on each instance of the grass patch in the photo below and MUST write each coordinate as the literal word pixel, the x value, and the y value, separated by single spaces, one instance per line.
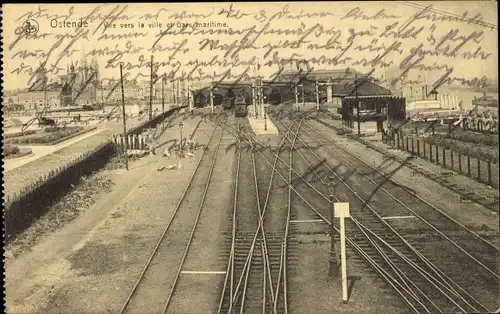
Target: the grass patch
pixel 9 150
pixel 459 134
pixel 12 151
pixel 17 134
pixel 48 135
pixel 475 150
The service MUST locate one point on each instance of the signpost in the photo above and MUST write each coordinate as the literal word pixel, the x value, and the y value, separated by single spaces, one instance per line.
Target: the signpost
pixel 342 212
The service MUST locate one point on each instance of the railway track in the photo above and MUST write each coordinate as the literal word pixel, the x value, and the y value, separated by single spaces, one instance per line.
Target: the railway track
pixel 432 218
pixel 463 192
pixel 422 285
pixel 256 271
pixel 154 288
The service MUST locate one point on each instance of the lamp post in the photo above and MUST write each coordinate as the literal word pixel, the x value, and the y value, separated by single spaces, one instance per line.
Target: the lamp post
pixel 181 146
pixel 332 269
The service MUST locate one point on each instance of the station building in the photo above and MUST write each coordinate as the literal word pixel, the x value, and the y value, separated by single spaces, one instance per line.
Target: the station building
pixel 348 93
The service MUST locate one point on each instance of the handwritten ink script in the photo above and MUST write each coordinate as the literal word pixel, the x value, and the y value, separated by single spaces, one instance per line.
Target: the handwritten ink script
pixel 399 45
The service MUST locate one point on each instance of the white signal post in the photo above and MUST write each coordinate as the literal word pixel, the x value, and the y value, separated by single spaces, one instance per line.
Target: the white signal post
pixel 342 212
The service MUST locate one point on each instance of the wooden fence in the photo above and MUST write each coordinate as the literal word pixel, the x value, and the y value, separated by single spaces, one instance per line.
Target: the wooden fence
pixel 475 168
pixel 133 141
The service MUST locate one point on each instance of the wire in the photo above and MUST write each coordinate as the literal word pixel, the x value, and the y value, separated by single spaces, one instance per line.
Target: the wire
pixel 445 13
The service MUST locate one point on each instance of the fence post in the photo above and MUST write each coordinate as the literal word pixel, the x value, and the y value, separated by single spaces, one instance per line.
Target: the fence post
pixel 407 144
pixel 430 152
pixel 412 146
pixel 452 163
pixel 459 162
pixel 489 173
pixel 437 155
pixel 478 169
pixel 468 166
pixel 418 147
pixel 444 157
pixel 398 140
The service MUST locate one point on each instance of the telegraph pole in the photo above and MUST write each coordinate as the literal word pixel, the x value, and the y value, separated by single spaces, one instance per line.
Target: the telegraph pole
pixel 261 89
pixel 178 100
pixel 172 95
pixel 102 95
pixel 254 96
pixel 317 96
pixel 125 139
pixel 163 102
pixel 357 102
pixel 151 91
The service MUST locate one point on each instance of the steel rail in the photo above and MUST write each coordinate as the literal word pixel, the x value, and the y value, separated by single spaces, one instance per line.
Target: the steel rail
pixel 397 271
pixel 391 281
pixel 261 220
pixel 249 257
pixel 430 265
pixel 261 217
pixel 321 179
pixel 284 257
pixel 419 269
pixel 190 240
pixel 275 297
pixel 384 256
pixel 415 213
pixel 411 294
pixel 438 272
pixel 406 189
pixel 230 267
pixel 160 240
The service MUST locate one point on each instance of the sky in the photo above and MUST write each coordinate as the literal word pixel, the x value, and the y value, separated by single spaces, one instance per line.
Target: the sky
pixel 334 30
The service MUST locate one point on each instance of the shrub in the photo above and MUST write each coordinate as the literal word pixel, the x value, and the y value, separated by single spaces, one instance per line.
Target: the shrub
pixel 10 150
pixel 52 135
pixel 27 132
pixel 465 148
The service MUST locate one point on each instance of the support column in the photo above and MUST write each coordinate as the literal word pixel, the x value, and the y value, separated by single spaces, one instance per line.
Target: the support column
pixel 329 92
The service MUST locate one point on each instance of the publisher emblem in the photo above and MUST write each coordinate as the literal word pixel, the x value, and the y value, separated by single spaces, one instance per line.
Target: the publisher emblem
pixel 30 27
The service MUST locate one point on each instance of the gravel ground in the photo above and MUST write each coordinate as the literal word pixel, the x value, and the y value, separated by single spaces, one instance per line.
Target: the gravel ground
pixel 92 262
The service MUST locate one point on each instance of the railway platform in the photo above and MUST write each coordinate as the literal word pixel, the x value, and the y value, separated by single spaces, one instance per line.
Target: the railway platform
pixel 262 126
